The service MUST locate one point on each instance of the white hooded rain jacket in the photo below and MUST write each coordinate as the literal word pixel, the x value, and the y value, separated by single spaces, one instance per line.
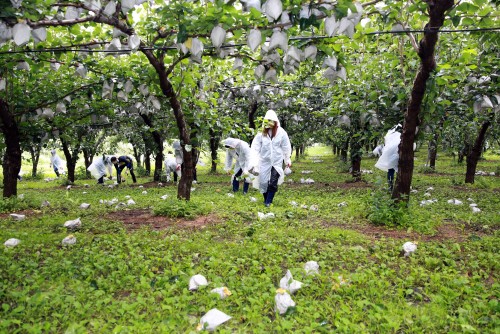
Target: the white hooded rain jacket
pixel 246 158
pixel 272 152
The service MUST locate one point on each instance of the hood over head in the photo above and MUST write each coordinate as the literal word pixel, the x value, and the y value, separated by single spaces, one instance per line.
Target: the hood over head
pixel 231 142
pixel 271 115
pixel 177 145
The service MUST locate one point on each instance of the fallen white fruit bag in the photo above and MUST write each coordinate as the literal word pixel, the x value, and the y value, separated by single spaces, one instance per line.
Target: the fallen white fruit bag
pixel 283 301
pixel 212 319
pixel 72 224
pixel 196 281
pixel 288 283
pixel 223 292
pixel 311 267
pixel 12 242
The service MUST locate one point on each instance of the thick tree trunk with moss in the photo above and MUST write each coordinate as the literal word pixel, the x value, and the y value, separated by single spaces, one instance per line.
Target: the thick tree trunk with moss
pixel 147 162
pixel 35 158
pixel 344 151
pixel 158 140
pixel 87 160
pixel 432 151
pixel 475 153
pixel 71 159
pixel 137 155
pixel 12 156
pixel 356 155
pixel 184 186
pixel 251 114
pixel 437 10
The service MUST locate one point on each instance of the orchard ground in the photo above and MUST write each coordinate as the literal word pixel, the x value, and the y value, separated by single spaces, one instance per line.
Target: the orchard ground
pixel 130 267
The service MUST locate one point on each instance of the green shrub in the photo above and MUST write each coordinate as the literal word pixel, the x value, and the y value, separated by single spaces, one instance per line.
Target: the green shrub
pixel 342 167
pixel 385 211
pixel 14 204
pixel 426 170
pixel 457 180
pixel 40 175
pixel 175 208
pixel 81 173
pixel 141 171
pixel 482 182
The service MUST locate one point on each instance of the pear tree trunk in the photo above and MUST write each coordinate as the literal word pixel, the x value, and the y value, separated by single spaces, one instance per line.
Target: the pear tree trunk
pixel 35 158
pixel 184 186
pixel 356 155
pixel 12 157
pixel 427 46
pixel 475 153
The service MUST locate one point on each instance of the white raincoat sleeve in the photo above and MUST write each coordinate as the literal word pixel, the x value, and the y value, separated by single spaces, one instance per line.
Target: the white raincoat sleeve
pixel 247 158
pixel 257 143
pixel 230 155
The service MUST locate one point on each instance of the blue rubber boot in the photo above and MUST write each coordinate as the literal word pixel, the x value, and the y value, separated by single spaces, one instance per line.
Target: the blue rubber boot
pixel 245 187
pixel 236 185
pixel 269 199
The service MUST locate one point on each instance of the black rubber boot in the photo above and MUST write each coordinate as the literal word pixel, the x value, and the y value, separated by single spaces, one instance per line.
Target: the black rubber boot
pixel 245 187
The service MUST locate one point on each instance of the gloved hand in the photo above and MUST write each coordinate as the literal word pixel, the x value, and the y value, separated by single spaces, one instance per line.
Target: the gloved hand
pixel 110 177
pixel 245 174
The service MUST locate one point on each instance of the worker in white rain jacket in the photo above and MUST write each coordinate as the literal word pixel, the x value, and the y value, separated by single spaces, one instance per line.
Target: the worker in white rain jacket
pixel 389 158
pixel 273 147
pixel 101 167
pixel 57 163
pixel 246 160
pixel 179 158
pixel 171 167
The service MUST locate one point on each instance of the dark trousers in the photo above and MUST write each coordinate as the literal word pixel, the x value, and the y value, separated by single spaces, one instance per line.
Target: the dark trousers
pixel 236 183
pixel 131 170
pixel 390 178
pixel 272 186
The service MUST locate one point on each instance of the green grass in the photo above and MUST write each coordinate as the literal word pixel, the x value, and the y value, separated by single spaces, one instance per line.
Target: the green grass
pixel 117 280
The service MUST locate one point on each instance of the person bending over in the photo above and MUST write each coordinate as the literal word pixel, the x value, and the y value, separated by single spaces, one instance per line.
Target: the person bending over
pixel 120 164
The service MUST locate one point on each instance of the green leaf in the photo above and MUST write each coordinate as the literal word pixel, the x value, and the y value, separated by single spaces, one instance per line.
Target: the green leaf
pixel 182 34
pixel 456 20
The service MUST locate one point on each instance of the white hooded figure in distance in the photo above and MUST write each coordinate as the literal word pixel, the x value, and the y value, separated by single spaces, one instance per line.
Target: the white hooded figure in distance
pixel 179 159
pixel 246 160
pixel 273 148
pixel 171 167
pixel 57 163
pixel 100 167
pixel 389 158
